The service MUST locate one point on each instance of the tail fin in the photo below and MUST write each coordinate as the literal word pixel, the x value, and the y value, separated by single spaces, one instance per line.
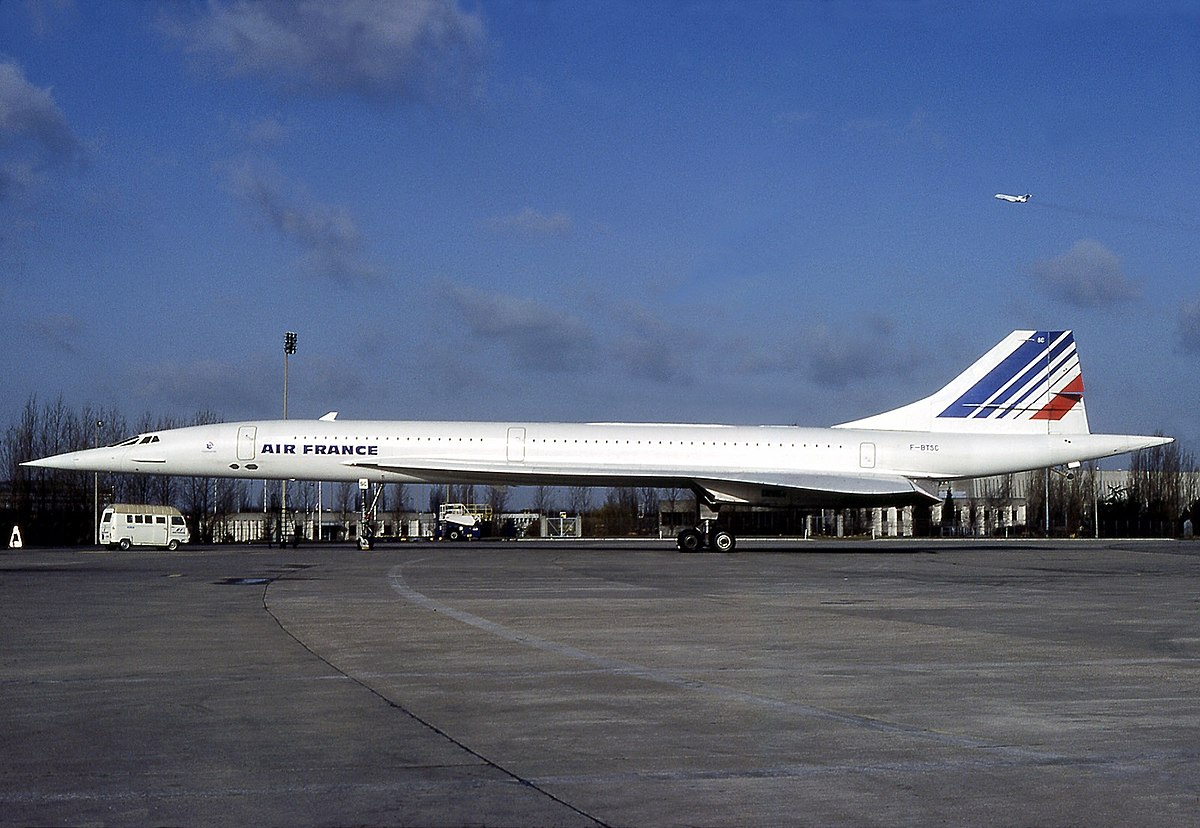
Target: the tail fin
pixel 1030 383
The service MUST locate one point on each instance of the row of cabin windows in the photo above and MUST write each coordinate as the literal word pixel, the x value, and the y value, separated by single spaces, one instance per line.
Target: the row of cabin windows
pixel 568 442
pixel 154 439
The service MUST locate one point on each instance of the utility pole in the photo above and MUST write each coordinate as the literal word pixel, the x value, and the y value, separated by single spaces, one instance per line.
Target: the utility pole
pixel 96 491
pixel 289 348
pixel 1047 483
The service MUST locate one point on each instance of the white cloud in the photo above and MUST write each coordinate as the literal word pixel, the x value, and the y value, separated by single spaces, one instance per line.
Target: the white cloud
pixel 536 336
pixel 326 233
pixel 531 222
pixel 60 332
pixel 418 50
pixel 653 349
pixel 829 358
pixel 200 384
pixel 1189 326
pixel 34 133
pixel 837 359
pixel 1088 275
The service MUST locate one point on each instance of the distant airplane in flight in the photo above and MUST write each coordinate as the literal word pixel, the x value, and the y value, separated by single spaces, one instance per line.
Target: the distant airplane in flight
pixel 1018 407
pixel 1021 199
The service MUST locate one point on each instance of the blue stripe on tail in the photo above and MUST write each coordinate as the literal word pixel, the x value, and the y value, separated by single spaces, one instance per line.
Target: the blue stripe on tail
pixel 1032 355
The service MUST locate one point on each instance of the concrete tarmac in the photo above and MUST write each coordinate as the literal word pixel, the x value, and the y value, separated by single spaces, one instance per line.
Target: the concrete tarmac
pixel 619 684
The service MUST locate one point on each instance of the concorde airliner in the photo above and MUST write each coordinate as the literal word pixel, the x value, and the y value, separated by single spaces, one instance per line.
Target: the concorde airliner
pixel 1018 407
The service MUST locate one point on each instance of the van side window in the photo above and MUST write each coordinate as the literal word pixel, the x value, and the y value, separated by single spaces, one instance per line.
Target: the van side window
pixel 161 520
pixel 176 520
pixel 129 518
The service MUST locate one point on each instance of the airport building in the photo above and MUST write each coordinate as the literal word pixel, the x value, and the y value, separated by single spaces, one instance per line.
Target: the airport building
pixel 1000 506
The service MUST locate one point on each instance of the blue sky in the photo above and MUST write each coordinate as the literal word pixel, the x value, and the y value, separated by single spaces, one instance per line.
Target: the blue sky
pixel 765 212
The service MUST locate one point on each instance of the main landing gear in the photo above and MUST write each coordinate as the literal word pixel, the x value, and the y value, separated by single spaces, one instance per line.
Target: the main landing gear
pixel 706 536
pixel 366 518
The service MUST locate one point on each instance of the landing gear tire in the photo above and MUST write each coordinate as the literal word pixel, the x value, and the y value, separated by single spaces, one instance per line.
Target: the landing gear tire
pixel 722 541
pixel 689 540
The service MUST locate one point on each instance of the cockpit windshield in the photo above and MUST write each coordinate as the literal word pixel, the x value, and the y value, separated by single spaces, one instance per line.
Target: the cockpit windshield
pixel 140 439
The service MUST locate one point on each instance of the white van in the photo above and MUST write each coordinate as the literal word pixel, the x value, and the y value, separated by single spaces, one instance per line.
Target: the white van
pixel 124 525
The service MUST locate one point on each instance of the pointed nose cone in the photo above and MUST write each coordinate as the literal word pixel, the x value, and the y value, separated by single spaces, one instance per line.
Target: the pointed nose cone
pixel 58 461
pixel 94 460
pixel 44 463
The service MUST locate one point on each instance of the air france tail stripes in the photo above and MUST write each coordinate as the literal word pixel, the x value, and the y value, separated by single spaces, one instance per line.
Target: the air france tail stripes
pixel 1062 402
pixel 1043 367
pixel 1060 367
pixel 978 395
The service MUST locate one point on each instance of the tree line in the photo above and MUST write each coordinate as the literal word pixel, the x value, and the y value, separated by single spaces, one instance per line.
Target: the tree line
pixel 57 507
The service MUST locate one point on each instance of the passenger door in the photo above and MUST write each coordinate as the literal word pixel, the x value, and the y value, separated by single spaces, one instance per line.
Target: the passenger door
pixel 245 442
pixel 516 444
pixel 866 455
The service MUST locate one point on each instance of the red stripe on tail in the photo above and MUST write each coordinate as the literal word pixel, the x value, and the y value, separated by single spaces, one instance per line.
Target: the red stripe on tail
pixel 1062 401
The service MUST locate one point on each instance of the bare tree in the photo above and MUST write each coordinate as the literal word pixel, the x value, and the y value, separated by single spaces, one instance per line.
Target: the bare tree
pixel 619 514
pixel 401 500
pixel 1162 482
pixel 54 506
pixel 648 508
pixel 543 499
pixel 497 498
pixel 579 499
pixel 346 498
pixel 204 496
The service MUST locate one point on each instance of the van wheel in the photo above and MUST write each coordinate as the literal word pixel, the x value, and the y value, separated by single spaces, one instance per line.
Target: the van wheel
pixel 172 545
pixel 124 544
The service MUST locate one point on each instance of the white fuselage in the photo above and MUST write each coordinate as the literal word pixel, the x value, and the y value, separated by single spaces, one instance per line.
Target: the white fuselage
pixel 583 454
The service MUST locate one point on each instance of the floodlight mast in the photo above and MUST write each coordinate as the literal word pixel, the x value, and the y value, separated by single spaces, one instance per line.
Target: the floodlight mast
pixel 289 348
